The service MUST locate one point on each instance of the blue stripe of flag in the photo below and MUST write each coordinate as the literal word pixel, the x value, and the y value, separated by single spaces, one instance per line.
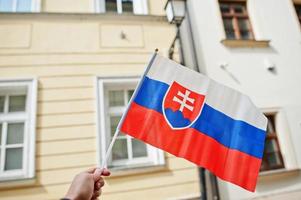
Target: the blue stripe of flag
pixel 234 134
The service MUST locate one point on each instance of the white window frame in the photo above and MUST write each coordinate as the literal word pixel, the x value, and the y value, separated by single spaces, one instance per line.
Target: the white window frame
pixel 28 87
pixel 284 134
pixel 155 156
pixel 140 7
pixel 35 6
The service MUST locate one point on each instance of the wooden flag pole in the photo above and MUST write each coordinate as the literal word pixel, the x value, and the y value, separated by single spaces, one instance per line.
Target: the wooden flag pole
pixel 108 152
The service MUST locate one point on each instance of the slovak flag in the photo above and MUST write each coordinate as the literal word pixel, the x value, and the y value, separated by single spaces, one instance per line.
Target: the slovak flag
pixel 191 116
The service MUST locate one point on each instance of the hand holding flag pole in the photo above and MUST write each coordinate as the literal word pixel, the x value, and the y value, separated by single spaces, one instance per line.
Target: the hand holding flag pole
pixel 108 152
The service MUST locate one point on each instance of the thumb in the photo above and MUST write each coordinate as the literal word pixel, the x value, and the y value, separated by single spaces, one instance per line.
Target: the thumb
pixel 97 174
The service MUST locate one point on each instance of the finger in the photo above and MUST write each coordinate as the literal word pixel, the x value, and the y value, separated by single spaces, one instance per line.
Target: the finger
pixel 100 172
pixel 105 172
pixel 91 170
pixel 97 174
pixel 96 194
pixel 99 184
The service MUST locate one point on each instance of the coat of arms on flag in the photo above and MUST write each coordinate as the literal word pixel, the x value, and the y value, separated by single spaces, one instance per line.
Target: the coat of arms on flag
pixel 181 106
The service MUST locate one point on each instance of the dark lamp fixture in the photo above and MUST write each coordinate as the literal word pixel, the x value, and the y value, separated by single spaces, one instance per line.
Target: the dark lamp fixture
pixel 175 11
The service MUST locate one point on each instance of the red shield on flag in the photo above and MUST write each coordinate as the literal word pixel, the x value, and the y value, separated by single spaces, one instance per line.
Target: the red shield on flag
pixel 181 106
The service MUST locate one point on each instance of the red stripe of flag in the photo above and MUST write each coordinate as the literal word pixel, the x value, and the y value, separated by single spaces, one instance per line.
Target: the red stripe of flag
pixel 228 164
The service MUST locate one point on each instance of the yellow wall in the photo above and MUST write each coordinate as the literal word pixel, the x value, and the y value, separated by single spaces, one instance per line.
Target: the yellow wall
pixel 65 6
pixel 66 53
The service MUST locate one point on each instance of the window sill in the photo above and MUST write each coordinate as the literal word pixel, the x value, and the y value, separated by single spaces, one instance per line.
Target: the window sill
pixel 17 183
pixel 116 173
pixel 246 43
pixel 277 172
pixel 74 15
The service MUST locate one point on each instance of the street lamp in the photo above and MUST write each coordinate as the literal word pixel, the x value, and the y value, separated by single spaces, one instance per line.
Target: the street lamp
pixel 175 11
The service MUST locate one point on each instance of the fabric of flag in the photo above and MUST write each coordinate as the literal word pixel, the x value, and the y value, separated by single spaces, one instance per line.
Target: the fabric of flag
pixel 191 116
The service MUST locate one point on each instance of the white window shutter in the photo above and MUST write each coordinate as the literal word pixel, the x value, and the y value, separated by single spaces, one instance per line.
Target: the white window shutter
pixel 140 7
pixel 100 6
pixel 36 6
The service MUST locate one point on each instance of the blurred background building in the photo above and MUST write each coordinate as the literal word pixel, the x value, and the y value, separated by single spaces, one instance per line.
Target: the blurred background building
pixel 253 46
pixel 68 68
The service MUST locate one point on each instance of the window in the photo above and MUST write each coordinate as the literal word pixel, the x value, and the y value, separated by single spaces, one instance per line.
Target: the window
pixel 17 129
pixel 236 20
pixel 19 5
pixel 272 158
pixel 127 152
pixel 298 10
pixel 122 6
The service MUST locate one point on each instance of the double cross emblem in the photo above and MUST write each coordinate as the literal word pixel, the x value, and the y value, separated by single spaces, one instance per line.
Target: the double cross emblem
pixel 184 99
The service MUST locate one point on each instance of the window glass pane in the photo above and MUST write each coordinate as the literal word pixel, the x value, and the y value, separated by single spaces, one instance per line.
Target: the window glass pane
pixel 245 35
pixel 15 133
pixel 271 126
pixel 111 5
pixel 6 5
pixel 274 159
pixel 116 98
pixel 13 159
pixel 298 9
pixel 17 103
pixel 120 150
pixel 228 23
pixel 238 8
pixel 2 99
pixel 127 5
pixel 225 8
pixel 0 134
pixel 243 24
pixel 139 148
pixel 271 146
pixel 24 5
pixel 130 93
pixel 114 122
pixel 230 34
pixel 229 28
pixel 244 29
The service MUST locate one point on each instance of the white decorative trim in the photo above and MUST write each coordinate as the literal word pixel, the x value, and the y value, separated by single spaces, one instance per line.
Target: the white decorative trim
pixel 99 6
pixel 32 140
pixel 36 6
pixel 29 119
pixel 140 7
pixel 156 156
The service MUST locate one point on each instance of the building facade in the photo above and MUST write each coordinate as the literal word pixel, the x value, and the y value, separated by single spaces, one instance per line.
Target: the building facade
pixel 67 71
pixel 254 46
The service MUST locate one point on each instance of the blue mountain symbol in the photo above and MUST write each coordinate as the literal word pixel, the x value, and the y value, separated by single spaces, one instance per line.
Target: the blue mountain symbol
pixel 176 119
